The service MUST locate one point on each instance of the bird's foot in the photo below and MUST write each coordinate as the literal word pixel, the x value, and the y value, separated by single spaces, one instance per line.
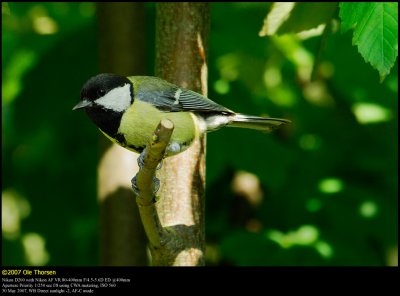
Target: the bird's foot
pixel 156 182
pixel 140 161
pixel 135 188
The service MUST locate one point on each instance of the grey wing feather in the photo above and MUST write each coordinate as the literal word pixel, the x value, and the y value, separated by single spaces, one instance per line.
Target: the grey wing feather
pixel 170 98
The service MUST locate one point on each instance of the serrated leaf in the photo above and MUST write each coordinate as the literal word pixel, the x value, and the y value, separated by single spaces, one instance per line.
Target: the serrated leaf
pixel 294 17
pixel 375 32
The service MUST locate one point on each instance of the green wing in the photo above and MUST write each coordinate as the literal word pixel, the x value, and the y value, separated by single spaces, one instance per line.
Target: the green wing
pixel 171 98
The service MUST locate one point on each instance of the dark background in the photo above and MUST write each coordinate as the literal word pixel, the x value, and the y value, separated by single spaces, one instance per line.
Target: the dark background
pixel 322 191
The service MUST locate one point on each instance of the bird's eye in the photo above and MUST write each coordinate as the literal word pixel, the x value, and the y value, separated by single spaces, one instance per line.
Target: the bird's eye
pixel 101 92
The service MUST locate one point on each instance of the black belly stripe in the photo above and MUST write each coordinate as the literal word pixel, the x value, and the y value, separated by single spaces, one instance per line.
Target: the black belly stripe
pixel 137 148
pixel 120 139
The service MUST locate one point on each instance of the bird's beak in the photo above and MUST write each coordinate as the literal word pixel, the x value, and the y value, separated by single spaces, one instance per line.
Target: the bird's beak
pixel 82 104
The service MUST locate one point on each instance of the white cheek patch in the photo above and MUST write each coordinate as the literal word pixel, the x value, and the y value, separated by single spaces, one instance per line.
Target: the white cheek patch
pixel 118 99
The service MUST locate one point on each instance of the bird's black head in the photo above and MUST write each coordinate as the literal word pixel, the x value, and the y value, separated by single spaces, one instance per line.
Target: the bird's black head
pixel 108 91
pixel 105 98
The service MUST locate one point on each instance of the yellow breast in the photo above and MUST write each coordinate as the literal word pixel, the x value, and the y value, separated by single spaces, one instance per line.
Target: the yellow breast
pixel 141 119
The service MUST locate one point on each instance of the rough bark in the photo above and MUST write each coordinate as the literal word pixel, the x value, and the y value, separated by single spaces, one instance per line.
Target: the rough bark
pixel 181 44
pixel 122 51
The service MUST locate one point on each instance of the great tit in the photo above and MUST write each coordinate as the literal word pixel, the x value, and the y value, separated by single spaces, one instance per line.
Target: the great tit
pixel 127 110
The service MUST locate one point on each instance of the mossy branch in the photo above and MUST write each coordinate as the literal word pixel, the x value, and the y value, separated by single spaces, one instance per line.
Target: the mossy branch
pixel 152 156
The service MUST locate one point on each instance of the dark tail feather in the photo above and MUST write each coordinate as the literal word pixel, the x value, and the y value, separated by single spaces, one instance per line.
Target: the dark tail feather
pixel 258 123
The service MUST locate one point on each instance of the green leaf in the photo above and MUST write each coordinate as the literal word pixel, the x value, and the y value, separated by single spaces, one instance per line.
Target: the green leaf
pixel 375 32
pixel 295 17
pixel 350 13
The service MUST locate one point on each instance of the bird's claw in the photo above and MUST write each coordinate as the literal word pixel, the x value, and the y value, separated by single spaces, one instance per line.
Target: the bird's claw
pixel 135 188
pixel 140 160
pixel 156 185
pixel 156 181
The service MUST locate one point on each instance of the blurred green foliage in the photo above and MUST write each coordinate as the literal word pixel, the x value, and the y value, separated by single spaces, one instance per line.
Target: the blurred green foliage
pixel 322 191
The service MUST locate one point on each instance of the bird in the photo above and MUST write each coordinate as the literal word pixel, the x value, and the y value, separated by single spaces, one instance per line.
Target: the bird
pixel 127 110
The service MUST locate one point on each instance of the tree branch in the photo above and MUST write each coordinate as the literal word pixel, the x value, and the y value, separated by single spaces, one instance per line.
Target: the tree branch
pixel 152 156
pixel 175 224
pixel 181 58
